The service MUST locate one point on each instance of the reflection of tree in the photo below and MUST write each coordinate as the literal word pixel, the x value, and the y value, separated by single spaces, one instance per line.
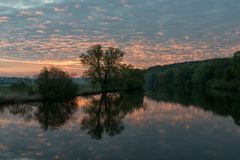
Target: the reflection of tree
pixel 24 111
pixel 105 114
pixel 51 115
pixel 221 103
pixel 54 114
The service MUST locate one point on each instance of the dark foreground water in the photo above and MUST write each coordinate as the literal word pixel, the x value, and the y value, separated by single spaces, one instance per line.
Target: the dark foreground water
pixel 175 124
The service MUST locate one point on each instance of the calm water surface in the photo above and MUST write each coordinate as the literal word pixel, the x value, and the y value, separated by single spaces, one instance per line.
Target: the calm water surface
pixel 163 125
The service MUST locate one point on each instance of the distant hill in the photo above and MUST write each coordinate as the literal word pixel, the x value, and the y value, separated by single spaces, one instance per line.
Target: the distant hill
pixel 80 80
pixel 14 80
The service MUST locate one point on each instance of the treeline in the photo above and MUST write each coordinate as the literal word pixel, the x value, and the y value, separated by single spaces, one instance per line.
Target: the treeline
pixel 221 73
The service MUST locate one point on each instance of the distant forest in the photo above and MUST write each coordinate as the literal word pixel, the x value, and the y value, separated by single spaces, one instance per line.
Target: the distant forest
pixel 221 73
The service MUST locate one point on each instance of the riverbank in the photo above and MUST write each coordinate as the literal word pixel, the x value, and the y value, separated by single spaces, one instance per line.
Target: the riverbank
pixel 24 98
pixel 14 98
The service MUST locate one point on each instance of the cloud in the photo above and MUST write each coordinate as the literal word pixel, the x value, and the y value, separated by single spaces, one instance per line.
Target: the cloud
pixel 150 32
pixel 26 4
pixel 3 19
pixel 59 10
pixel 113 18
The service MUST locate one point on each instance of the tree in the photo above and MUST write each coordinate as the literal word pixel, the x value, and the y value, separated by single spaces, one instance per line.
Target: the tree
pixel 103 65
pixel 203 73
pixel 54 83
pixel 183 76
pixel 236 65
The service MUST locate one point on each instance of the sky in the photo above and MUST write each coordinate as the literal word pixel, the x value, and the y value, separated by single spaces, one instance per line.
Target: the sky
pixel 37 33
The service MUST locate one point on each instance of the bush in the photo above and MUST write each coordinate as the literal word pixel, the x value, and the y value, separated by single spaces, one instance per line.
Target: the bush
pixel 127 77
pixel 134 79
pixel 55 83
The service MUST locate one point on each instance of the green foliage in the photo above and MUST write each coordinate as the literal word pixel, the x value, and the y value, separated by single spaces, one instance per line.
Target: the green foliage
pixel 165 77
pixel 128 78
pixel 203 73
pixel 216 73
pixel 54 83
pixel 183 76
pixel 228 74
pixel 134 78
pixel 236 65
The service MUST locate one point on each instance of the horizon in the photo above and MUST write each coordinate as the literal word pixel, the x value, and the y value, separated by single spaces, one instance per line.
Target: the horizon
pixel 42 33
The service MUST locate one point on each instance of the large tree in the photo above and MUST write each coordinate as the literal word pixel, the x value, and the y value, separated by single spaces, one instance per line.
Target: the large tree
pixel 103 65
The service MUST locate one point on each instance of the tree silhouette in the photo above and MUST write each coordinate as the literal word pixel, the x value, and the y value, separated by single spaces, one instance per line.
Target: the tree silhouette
pixel 54 83
pixel 103 65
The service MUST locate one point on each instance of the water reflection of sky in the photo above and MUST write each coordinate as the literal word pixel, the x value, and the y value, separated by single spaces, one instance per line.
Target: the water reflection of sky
pixel 43 32
pixel 156 130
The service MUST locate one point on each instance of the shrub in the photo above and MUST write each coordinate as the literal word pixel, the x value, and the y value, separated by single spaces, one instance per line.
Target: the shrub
pixel 128 78
pixel 54 83
pixel 134 79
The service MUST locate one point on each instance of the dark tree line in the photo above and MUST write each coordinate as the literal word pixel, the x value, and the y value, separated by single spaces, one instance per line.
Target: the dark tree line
pixel 223 73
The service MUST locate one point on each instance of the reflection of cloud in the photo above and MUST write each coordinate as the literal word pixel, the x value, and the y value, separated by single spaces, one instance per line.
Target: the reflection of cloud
pixel 82 102
pixel 3 147
pixel 31 13
pixel 25 4
pixel 170 113
pixel 58 10
pixel 114 18
pixel 3 19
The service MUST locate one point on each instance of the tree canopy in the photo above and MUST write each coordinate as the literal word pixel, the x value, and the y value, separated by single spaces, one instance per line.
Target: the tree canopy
pixel 55 83
pixel 220 73
pixel 106 69
pixel 102 64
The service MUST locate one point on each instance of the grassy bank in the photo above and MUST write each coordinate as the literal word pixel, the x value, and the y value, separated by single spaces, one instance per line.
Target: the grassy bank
pixel 7 96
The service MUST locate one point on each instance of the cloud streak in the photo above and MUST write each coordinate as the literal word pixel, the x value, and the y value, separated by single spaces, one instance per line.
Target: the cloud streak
pixel 153 32
pixel 26 4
